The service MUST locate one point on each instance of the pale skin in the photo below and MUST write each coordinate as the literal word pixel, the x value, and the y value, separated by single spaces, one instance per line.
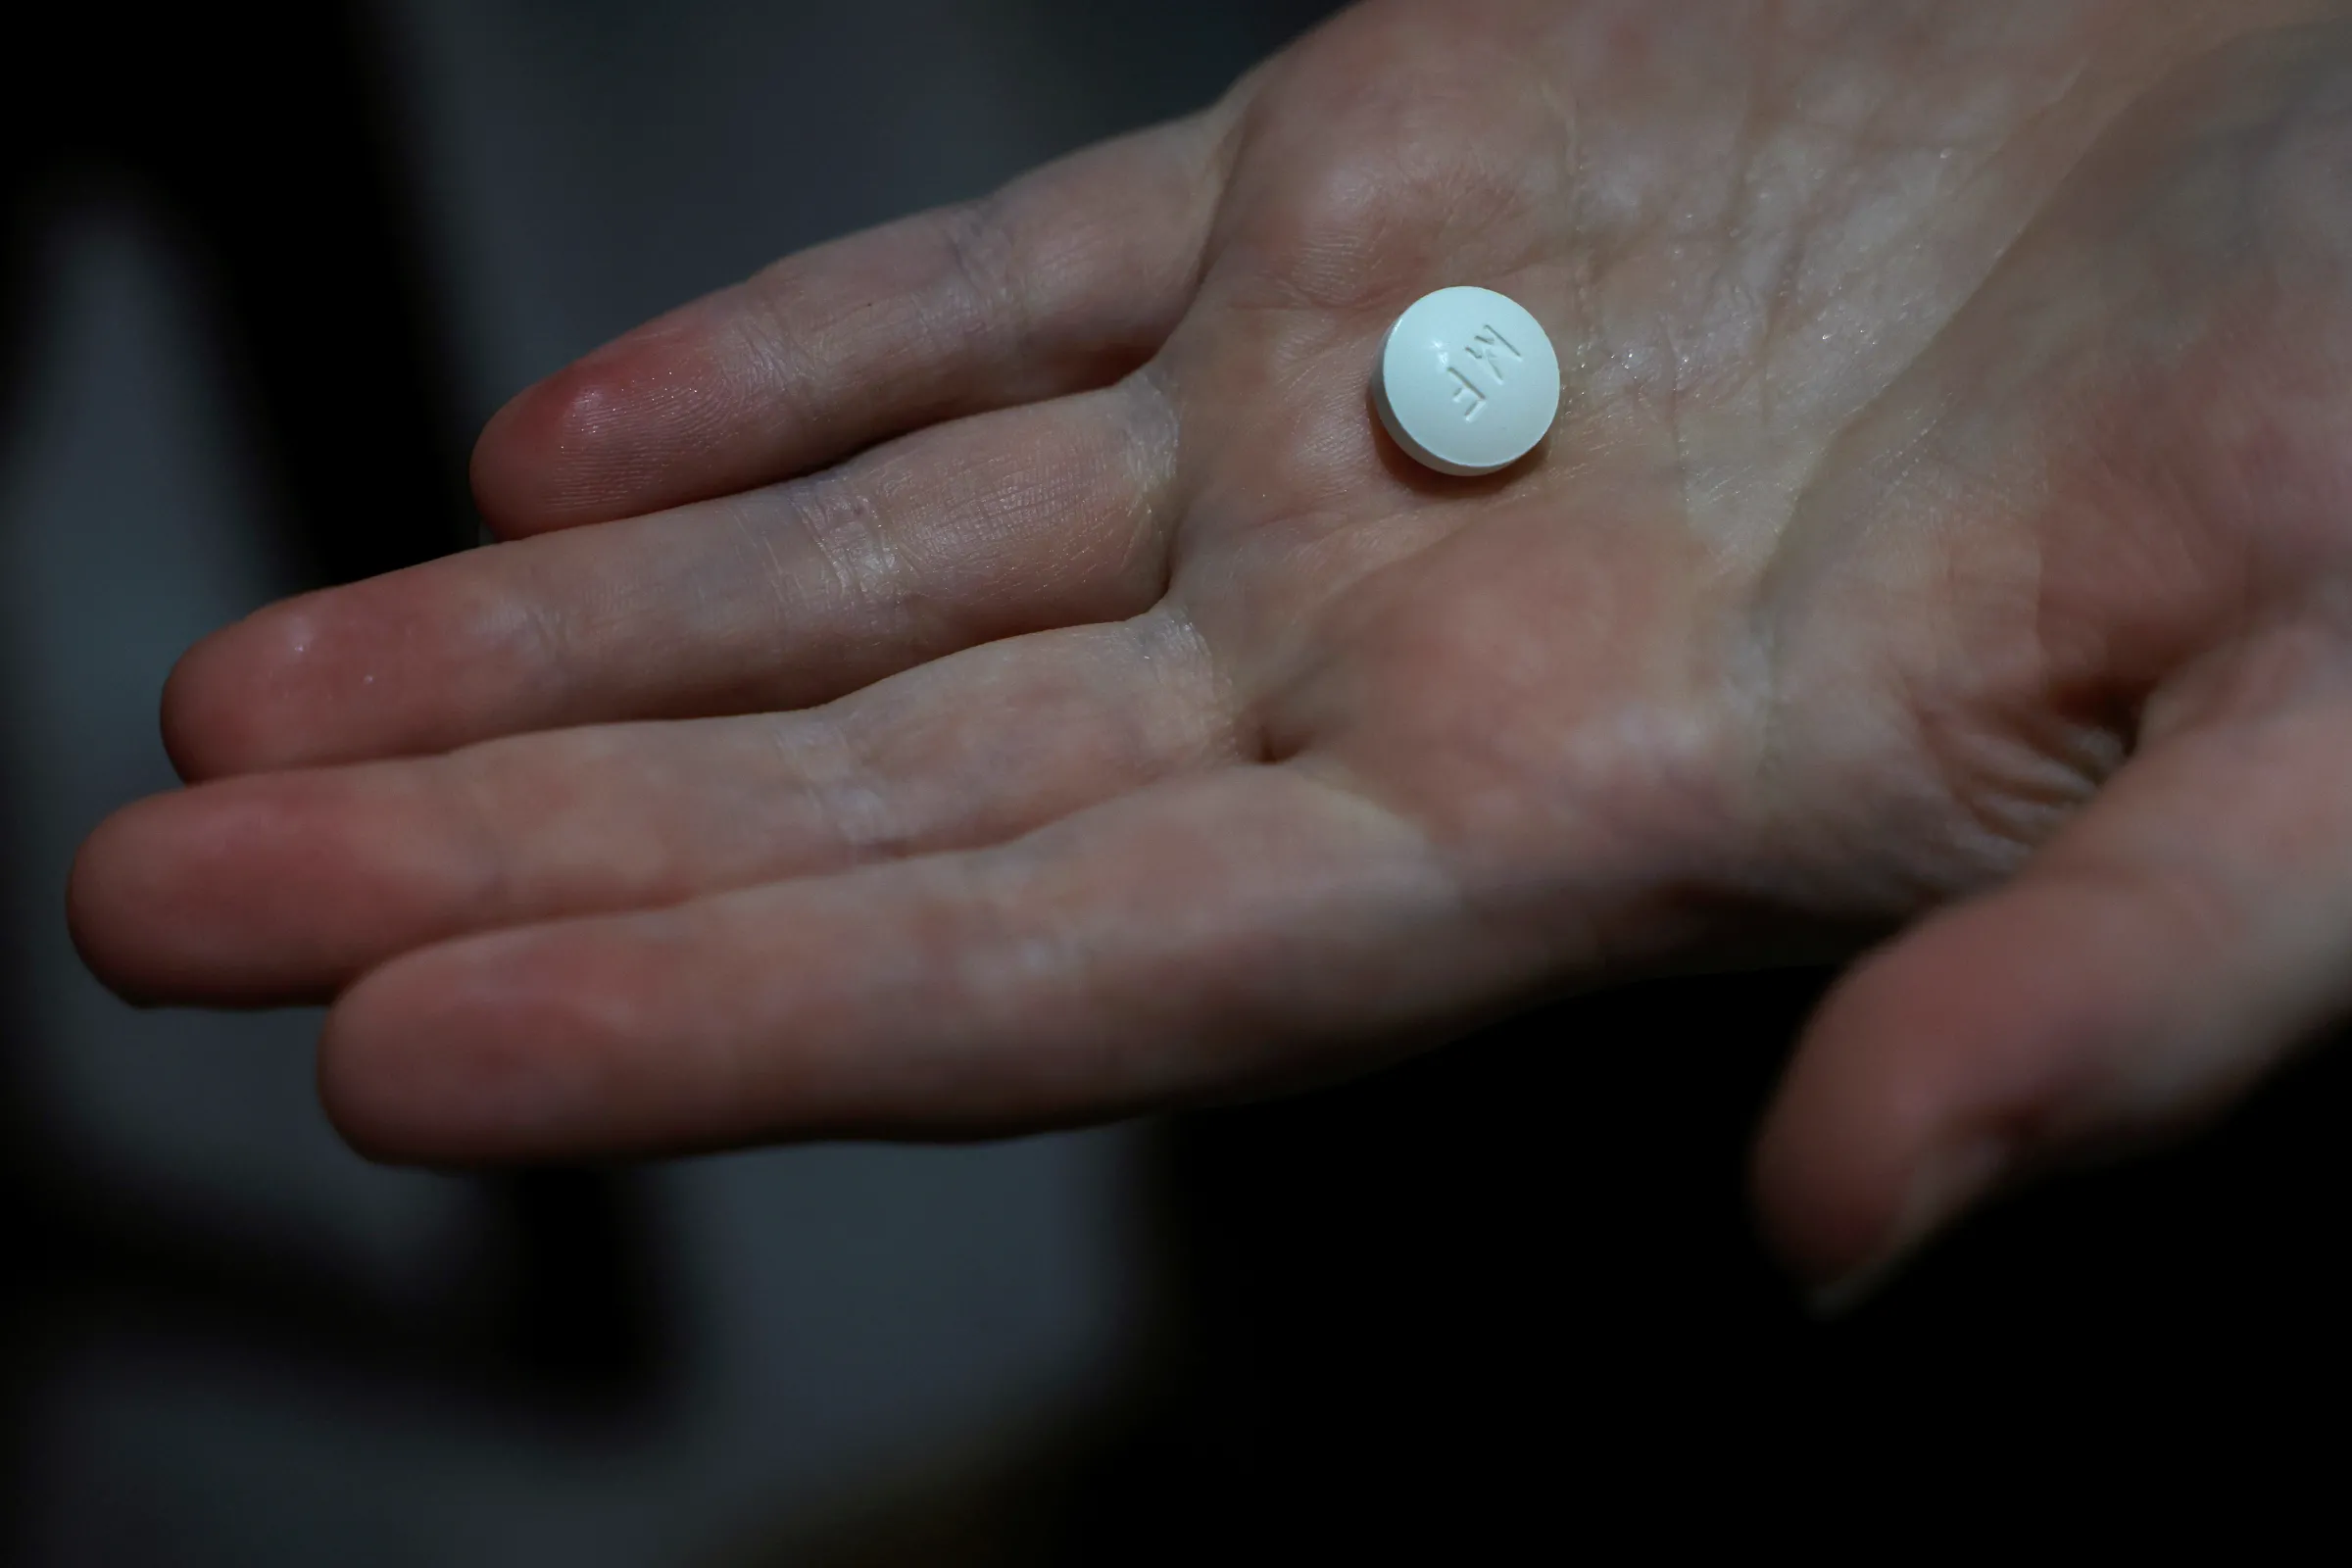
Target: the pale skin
pixel 993 673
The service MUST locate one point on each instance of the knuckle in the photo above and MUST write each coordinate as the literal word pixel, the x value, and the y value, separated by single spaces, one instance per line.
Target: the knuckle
pixel 850 537
pixel 982 277
pixel 1405 202
pixel 776 337
pixel 1354 225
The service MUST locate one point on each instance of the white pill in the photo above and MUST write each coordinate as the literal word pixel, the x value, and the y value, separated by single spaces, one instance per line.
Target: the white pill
pixel 1468 381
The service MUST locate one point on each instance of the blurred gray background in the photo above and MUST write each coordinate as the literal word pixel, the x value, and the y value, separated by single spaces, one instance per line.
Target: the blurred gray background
pixel 263 269
pixel 819 1323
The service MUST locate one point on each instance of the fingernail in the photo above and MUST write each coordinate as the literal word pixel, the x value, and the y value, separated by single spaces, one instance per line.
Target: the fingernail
pixel 1947 1183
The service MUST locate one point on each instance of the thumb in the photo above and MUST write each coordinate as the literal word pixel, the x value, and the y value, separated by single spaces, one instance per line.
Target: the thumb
pixel 2171 944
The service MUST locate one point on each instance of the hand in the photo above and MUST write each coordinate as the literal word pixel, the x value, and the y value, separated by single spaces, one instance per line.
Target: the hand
pixel 991 672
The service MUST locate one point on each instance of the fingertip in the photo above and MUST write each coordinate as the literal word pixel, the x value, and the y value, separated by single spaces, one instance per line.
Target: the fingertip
pixel 402 1077
pixel 405 664
pixel 519 448
pixel 162 906
pixel 379 1097
pixel 266 891
pixel 189 729
pixel 1902 1109
pixel 220 712
pixel 312 680
pixel 1828 1166
pixel 609 436
pixel 108 891
pixel 470 1053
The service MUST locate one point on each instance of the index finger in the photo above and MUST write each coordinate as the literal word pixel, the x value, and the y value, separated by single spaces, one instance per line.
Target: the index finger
pixel 1065 280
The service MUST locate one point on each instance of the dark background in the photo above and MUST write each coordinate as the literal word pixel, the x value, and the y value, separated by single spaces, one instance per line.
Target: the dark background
pixel 263 272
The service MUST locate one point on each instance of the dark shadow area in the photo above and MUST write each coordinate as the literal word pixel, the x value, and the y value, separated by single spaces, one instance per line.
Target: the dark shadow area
pixel 261 136
pixel 1507 1301
pixel 1516 1285
pixel 1132 65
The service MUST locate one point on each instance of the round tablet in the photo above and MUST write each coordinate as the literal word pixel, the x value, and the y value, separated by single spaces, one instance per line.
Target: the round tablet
pixel 1468 382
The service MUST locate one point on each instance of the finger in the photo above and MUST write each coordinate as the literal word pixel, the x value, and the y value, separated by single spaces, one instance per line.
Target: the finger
pixel 1011 522
pixel 284 887
pixel 2193 927
pixel 1065 280
pixel 1186 941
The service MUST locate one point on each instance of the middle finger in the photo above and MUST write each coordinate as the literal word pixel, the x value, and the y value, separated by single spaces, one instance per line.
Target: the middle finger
pixel 286 886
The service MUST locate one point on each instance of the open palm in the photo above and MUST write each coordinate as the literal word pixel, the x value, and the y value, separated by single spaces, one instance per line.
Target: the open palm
pixel 992 671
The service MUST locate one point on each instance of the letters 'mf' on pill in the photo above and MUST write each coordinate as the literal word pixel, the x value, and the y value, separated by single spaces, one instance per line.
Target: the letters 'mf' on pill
pixel 1468 381
pixel 1490 349
pixel 1467 397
